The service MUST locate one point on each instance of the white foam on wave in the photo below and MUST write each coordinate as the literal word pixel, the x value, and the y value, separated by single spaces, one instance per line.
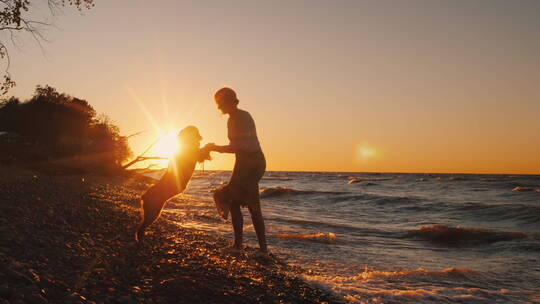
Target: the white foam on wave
pixel 455 236
pixel 376 286
pixel 278 178
pixel 319 237
pixel 353 180
pixel 284 191
pixel 277 191
pixel 519 188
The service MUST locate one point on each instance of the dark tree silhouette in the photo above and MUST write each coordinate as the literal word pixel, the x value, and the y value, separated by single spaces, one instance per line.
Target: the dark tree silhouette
pixel 56 125
pixel 16 16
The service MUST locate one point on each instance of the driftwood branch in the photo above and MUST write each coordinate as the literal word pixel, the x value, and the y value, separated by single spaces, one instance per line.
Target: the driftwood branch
pixel 140 159
pixel 135 134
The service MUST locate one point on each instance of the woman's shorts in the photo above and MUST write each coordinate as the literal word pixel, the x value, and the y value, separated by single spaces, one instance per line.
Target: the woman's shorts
pixel 243 188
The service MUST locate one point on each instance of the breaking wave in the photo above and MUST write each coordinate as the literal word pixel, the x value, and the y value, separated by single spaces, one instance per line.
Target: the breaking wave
pixel 278 178
pixel 318 237
pixel 454 272
pixel 522 213
pixel 402 286
pixel 353 180
pixel 457 236
pixel 519 188
pixel 283 191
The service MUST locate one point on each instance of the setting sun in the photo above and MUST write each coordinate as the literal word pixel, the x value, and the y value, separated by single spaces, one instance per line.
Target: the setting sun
pixel 166 146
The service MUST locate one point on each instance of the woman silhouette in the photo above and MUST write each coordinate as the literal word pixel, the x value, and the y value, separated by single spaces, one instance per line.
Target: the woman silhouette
pixel 249 167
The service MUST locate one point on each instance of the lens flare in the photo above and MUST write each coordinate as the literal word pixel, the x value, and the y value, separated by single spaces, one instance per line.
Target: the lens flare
pixel 366 152
pixel 166 146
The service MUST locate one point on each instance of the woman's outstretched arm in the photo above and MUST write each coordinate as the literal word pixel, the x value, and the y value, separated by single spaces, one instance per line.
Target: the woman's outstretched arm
pixel 231 148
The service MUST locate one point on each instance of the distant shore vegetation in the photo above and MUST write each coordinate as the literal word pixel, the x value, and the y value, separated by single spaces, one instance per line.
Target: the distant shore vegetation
pixel 61 132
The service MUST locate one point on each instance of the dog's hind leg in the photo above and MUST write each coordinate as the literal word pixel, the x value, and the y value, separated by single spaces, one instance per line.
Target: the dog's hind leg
pixel 150 211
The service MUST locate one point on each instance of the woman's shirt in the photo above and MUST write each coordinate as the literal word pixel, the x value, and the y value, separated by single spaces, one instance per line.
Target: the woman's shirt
pixel 242 133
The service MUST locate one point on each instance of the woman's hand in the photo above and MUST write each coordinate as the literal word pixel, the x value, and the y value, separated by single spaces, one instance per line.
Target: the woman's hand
pixel 221 149
pixel 209 147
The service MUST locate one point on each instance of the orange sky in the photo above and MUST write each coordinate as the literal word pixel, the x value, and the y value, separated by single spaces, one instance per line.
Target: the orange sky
pixel 412 86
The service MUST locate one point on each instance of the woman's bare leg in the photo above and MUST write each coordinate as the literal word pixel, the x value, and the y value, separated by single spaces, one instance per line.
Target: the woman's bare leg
pixel 238 225
pixel 258 224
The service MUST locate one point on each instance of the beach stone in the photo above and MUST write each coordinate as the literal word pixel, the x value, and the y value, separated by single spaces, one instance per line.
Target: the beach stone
pixel 46 283
pixel 35 299
pixel 29 290
pixel 34 276
pixel 5 291
pixel 5 238
pixel 126 300
pixel 74 298
pixel 18 277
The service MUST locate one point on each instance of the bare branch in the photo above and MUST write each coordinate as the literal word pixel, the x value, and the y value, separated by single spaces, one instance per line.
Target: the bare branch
pixel 140 159
pixel 14 17
pixel 36 34
pixel 135 134
pixel 17 28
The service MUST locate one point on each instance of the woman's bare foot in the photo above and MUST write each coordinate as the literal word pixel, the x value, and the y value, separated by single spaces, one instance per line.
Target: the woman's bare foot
pixel 232 249
pixel 262 252
pixel 261 256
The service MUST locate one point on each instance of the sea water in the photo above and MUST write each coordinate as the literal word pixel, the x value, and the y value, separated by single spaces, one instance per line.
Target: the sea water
pixel 393 238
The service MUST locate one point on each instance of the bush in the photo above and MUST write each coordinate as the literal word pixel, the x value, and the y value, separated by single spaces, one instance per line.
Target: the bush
pixel 58 127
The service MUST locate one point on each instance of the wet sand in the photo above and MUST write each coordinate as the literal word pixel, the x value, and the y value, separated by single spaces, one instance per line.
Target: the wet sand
pixel 68 239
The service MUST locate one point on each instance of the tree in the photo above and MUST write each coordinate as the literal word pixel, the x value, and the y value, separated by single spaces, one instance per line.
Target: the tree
pixel 16 17
pixel 60 126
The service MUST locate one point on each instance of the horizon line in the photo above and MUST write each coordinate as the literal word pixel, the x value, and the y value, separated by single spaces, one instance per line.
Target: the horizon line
pixel 383 172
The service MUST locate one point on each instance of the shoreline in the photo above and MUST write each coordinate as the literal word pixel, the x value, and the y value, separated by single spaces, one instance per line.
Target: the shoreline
pixel 68 239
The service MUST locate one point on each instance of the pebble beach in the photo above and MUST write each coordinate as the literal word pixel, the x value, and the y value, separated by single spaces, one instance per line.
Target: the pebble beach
pixel 68 239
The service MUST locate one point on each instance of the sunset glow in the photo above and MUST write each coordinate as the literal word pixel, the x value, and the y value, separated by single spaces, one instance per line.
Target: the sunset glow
pixel 166 146
pixel 433 95
pixel 366 152
pixel 255 151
